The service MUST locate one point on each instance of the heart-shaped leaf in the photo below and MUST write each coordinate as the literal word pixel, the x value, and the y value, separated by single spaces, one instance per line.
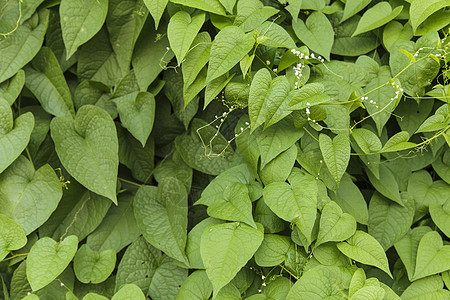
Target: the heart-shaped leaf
pixel 129 291
pixel 196 285
pixel 48 258
pixel 432 256
pixel 88 149
pixel 28 196
pixel 376 16
pixel 12 236
pixel 92 266
pixel 441 216
pixel 335 225
pixel 273 250
pixel 336 154
pixel 137 113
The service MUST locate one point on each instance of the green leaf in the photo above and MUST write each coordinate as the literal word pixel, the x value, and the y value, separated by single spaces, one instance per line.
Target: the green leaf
pixel 398 142
pixel 376 16
pixel 420 10
pixel 94 296
pixel 161 215
pixel 432 256
pixel 200 155
pixel 230 45
pixel 92 266
pixel 295 202
pixel 426 288
pixel 273 35
pixel 11 88
pixel 90 155
pixel 129 291
pixel 334 225
pixel 46 81
pixel 224 253
pixel 278 169
pixel 181 31
pixel 154 273
pixel 12 236
pixel 388 221
pixel 317 33
pixel 29 196
pixel 273 250
pixel 196 286
pixel 214 88
pixel 14 135
pixel 234 206
pixel 156 8
pixel 294 9
pixel 137 114
pixel 441 216
pixel 118 228
pixel 21 46
pixel 80 21
pixel 336 154
pixel 368 143
pixel 47 259
pixel 365 249
pixel 213 6
pixel 352 7
pixel 196 58
pixel 308 95
pixel 394 31
pixel 387 184
pixel 251 14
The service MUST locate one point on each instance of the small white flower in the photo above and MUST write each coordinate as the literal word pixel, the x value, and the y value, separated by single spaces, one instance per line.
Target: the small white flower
pixel 167 48
pixel 306 57
pixel 259 291
pixel 263 277
pixel 308 104
pixel 268 62
pixel 312 55
pixel 28 293
pixel 247 123
pixel 62 284
pixel 263 284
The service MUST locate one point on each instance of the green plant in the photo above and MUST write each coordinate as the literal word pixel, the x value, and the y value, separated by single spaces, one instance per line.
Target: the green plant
pixel 226 149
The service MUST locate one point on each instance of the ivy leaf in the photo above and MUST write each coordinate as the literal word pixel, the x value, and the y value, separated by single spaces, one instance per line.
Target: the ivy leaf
pixel 273 250
pixel 161 215
pixel 334 225
pixel 21 46
pixel 12 236
pixel 230 45
pixel 223 252
pixel 47 259
pixel 156 8
pixel 29 196
pixel 388 221
pixel 376 16
pixel 196 286
pixel 429 287
pixel 420 10
pixel 137 114
pixel 234 206
pixel 129 291
pixel 317 33
pixel 14 134
pixel 46 81
pixel 352 7
pixel 181 31
pixel 90 155
pixel 432 256
pixel 80 21
pixel 365 249
pixel 213 6
pixel 92 266
pixel 336 154
pixel 441 216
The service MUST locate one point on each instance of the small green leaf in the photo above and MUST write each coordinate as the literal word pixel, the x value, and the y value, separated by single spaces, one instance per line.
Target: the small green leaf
pixel 387 184
pixel 196 286
pixel 376 16
pixel 273 35
pixel 92 266
pixel 224 253
pixel 352 7
pixel 427 288
pixel 213 6
pixel 47 259
pixel 334 225
pixel 278 169
pixel 365 249
pixel 398 142
pixel 336 154
pixel 12 236
pixel 273 250
pixel 90 155
pixel 441 216
pixel 181 31
pixel 80 21
pixel 156 8
pixel 420 10
pixel 129 291
pixel 196 58
pixel 11 88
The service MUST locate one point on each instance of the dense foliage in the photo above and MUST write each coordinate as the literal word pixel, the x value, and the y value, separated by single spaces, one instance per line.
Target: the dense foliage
pixel 226 149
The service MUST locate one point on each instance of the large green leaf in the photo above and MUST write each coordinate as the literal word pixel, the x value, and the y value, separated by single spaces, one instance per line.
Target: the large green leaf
pixel 48 258
pixel 14 134
pixel 46 81
pixel 181 31
pixel 427 288
pixel 387 184
pixel 11 88
pixel 80 21
pixel 334 225
pixel 317 33
pixel 295 202
pixel 12 236
pixel 129 291
pixel 365 249
pixel 376 16
pixel 156 8
pixel 230 45
pixel 197 286
pixel 441 216
pixel 29 196
pixel 21 46
pixel 89 154
pixel 196 58
pixel 273 250
pixel 93 266
pixel 161 215
pixel 352 7
pixel 273 35
pixel 432 256
pixel 154 272
pixel 224 253
pixel 420 10
pixel 336 154
pixel 279 168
